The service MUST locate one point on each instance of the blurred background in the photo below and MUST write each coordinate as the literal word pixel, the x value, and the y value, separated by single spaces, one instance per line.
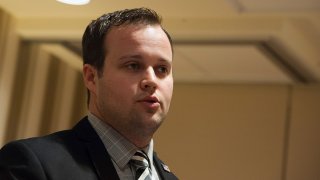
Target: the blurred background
pixel 246 102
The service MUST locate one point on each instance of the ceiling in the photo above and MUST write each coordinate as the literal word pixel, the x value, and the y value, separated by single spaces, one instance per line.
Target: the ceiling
pixel 215 41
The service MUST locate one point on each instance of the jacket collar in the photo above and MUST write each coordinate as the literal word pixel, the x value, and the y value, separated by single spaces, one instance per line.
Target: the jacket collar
pixel 96 150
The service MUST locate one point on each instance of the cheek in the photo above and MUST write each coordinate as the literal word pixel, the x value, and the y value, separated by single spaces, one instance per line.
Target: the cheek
pixel 168 90
pixel 167 94
pixel 121 89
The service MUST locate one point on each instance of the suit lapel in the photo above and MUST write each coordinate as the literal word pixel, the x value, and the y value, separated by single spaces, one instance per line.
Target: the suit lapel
pixel 162 169
pixel 96 150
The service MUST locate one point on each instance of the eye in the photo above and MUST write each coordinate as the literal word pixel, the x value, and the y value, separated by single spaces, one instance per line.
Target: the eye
pixel 133 66
pixel 163 69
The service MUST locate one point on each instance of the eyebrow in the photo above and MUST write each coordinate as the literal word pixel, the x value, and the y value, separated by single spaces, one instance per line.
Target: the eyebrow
pixel 130 57
pixel 139 57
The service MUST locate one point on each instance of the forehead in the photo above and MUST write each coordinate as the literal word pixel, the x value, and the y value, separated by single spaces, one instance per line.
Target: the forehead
pixel 128 32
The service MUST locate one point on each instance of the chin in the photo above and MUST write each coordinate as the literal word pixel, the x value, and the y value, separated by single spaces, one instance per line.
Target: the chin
pixel 156 121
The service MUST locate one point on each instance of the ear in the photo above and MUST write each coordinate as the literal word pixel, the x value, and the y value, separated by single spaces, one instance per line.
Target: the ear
pixel 90 76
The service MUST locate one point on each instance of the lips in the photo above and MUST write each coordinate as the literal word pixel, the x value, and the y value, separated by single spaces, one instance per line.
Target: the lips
pixel 150 102
pixel 150 99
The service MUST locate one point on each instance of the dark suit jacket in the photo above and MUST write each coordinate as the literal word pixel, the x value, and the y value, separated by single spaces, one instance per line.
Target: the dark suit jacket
pixel 76 154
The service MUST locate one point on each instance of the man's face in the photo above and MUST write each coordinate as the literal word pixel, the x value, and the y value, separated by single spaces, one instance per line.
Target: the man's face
pixel 135 89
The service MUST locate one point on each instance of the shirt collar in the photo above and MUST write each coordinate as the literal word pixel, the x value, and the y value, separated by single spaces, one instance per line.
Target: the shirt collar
pixel 119 148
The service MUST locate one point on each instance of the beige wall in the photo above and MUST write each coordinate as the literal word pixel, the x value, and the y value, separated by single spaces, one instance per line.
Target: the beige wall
pixel 243 132
pixel 304 142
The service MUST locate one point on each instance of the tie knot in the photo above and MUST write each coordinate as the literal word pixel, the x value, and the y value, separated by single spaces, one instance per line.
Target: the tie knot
pixel 141 164
pixel 140 159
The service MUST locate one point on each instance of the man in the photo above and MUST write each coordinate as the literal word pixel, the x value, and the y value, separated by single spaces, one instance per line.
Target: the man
pixel 128 73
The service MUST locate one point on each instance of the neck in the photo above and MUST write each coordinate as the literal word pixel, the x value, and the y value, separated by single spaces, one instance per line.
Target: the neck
pixel 140 140
pixel 139 136
pixel 140 143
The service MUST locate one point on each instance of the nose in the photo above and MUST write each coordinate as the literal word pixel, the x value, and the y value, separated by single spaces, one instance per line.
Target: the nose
pixel 148 82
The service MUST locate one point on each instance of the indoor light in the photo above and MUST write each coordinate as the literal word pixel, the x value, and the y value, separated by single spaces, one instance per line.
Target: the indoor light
pixel 75 2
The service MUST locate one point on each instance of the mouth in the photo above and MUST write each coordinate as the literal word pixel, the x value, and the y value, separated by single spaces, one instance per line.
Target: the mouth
pixel 150 99
pixel 150 102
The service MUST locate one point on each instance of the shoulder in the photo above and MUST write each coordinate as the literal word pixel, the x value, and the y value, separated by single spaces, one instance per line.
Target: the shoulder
pixel 55 142
pixel 36 146
pixel 56 155
pixel 55 138
pixel 28 157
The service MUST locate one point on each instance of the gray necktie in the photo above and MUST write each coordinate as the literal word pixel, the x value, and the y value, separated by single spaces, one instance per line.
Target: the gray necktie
pixel 140 162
